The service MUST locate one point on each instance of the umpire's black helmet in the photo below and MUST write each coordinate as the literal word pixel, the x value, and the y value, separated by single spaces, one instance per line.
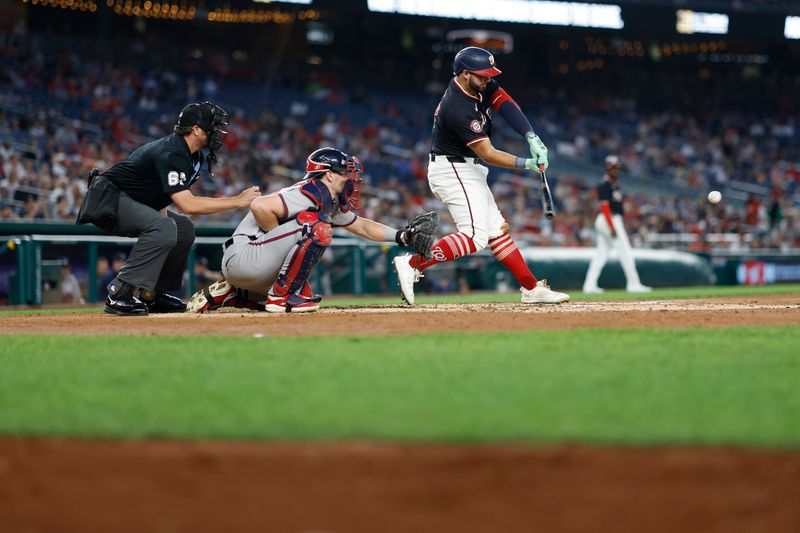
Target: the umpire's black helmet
pixel 475 60
pixel 211 117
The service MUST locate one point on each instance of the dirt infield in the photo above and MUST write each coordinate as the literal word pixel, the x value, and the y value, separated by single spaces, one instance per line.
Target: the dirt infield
pixel 67 485
pixel 385 319
pixel 55 485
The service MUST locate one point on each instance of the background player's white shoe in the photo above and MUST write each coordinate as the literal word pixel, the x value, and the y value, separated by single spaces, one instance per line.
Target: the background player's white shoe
pixel 542 294
pixel 594 289
pixel 639 288
pixel 407 276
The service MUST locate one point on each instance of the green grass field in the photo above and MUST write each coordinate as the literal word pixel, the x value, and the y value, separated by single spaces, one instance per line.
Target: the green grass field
pixel 636 386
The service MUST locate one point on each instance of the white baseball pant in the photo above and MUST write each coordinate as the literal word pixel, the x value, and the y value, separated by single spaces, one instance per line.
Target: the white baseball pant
pixel 462 187
pixel 604 244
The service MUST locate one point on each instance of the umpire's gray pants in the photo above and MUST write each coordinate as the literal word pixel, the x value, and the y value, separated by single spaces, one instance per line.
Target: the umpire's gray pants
pixel 158 259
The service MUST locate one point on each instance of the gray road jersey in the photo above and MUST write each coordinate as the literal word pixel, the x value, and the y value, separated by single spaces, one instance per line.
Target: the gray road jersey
pixel 294 202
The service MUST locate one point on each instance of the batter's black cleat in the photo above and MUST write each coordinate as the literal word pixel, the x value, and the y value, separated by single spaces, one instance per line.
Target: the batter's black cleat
pixel 125 304
pixel 166 303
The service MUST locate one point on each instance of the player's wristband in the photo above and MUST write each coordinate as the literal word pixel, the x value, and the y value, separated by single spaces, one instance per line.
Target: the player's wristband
pixel 391 234
pixel 519 162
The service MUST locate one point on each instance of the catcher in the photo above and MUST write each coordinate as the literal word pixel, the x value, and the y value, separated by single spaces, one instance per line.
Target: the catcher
pixel 271 254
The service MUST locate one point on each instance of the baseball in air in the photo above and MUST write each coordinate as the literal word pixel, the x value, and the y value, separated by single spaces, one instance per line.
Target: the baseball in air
pixel 714 197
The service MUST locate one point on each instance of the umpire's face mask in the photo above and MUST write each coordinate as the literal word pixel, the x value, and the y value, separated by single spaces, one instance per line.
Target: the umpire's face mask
pixel 216 133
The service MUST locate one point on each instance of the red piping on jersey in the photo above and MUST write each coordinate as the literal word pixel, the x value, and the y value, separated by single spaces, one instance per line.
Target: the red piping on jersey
pixel 469 206
pixel 605 208
pixel 259 243
pixel 478 139
pixel 499 97
pixel 478 98
pixel 285 207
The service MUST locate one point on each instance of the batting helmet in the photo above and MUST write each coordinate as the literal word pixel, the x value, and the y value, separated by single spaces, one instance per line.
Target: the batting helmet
pixel 328 158
pixel 475 60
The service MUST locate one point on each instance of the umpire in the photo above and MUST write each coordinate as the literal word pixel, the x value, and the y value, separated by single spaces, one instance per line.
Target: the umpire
pixel 130 199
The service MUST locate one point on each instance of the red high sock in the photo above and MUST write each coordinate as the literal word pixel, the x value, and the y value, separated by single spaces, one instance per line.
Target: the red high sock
pixel 448 248
pixel 506 252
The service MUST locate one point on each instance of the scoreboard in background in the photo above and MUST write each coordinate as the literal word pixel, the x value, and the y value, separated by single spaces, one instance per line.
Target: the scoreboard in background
pixel 636 19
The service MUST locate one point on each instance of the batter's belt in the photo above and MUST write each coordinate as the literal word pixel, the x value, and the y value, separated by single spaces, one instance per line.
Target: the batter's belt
pixel 457 158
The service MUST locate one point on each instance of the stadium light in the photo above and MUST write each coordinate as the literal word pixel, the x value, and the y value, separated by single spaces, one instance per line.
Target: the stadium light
pixel 522 11
pixel 791 30
pixel 304 2
pixel 688 21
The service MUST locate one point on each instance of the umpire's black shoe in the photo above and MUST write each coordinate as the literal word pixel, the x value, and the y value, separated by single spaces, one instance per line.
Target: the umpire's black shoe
pixel 166 303
pixel 125 304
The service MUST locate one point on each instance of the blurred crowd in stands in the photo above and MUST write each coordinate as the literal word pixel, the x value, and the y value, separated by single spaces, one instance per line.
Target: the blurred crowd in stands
pixel 62 114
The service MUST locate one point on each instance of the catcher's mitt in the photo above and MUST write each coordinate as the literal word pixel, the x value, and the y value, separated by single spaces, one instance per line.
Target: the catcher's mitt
pixel 418 233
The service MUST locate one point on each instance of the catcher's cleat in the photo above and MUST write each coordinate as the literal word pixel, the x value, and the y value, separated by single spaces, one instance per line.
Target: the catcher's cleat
pixel 212 297
pixel 165 303
pixel 542 294
pixel 289 304
pixel 306 292
pixel 407 276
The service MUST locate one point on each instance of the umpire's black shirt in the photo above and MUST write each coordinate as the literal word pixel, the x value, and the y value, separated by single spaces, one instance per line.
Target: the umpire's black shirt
pixel 610 192
pixel 156 170
pixel 460 120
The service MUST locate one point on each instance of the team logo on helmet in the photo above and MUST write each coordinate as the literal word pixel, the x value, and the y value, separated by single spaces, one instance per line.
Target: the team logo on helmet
pixel 491 59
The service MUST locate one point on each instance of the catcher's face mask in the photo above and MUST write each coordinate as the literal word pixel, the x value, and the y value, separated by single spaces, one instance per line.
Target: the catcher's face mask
pixel 351 194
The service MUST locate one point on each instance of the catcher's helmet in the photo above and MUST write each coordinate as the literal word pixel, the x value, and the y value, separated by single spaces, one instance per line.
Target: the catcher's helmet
pixel 328 158
pixel 475 60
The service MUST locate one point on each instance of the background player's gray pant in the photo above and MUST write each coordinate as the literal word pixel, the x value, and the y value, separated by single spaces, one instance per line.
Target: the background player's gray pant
pixel 254 265
pixel 158 259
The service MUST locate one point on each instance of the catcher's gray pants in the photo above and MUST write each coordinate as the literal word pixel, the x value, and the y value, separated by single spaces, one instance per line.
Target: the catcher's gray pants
pixel 158 259
pixel 254 265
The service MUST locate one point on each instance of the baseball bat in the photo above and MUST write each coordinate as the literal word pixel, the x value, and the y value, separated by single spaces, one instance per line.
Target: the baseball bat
pixel 547 197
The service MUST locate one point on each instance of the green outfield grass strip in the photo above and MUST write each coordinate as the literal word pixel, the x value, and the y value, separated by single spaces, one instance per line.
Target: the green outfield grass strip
pixel 485 297
pixel 635 386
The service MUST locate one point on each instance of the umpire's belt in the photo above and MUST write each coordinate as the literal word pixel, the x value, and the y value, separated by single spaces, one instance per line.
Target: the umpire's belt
pixel 457 158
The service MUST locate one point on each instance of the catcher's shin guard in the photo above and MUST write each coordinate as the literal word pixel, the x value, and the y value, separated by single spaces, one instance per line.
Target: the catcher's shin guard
pixel 303 257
